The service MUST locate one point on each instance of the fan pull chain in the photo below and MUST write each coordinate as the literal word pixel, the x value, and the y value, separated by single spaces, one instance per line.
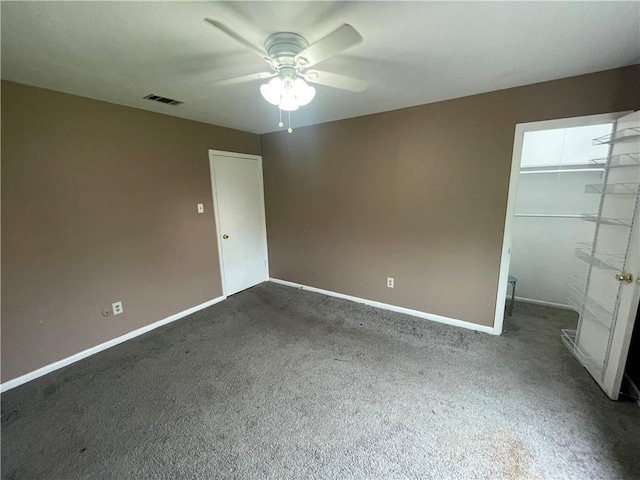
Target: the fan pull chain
pixel 290 130
pixel 280 124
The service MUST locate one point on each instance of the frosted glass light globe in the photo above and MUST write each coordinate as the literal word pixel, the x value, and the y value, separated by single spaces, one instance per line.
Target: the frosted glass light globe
pixel 289 101
pixel 288 94
pixel 304 93
pixel 272 91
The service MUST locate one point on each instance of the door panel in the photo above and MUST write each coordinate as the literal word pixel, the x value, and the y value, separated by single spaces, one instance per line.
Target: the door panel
pixel 238 195
pixel 609 308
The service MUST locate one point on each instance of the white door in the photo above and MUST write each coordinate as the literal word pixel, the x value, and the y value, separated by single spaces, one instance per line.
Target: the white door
pixel 239 209
pixel 611 289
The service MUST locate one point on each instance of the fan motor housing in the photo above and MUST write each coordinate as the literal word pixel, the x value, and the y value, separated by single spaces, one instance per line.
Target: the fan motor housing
pixel 284 46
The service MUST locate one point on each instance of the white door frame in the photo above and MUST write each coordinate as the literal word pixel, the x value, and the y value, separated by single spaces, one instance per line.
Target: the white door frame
pixel 258 158
pixel 521 129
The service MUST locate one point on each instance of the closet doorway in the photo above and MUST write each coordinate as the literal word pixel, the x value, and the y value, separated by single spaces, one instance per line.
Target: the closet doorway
pixel 571 232
pixel 549 220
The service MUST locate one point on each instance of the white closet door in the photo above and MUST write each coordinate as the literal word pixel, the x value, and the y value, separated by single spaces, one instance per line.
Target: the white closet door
pixel 239 207
pixel 611 289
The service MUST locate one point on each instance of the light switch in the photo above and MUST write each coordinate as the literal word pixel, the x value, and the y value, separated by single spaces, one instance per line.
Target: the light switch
pixel 201 208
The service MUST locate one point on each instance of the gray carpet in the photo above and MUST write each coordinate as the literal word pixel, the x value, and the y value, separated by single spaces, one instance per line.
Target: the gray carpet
pixel 282 383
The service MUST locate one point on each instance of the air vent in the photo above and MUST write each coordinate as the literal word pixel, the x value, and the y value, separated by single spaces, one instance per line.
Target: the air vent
pixel 158 98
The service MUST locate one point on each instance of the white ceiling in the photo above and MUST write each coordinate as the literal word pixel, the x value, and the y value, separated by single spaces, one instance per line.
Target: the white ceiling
pixel 413 53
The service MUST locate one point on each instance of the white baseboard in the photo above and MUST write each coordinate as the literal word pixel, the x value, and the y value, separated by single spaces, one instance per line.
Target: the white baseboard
pixel 393 308
pixel 8 385
pixel 545 304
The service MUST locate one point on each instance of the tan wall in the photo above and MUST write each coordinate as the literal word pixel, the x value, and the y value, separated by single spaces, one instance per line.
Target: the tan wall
pixel 417 194
pixel 99 205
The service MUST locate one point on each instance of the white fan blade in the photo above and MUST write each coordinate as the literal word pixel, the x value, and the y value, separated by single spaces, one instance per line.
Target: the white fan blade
pixel 242 79
pixel 242 41
pixel 343 38
pixel 336 81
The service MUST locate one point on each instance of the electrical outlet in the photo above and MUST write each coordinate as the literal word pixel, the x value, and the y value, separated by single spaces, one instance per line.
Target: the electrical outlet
pixel 390 282
pixel 117 308
pixel 201 208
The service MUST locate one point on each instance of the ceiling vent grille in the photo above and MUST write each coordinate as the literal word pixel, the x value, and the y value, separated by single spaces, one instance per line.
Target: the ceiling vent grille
pixel 158 98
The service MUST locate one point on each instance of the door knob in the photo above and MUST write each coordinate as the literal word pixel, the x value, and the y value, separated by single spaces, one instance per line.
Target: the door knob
pixel 225 236
pixel 624 277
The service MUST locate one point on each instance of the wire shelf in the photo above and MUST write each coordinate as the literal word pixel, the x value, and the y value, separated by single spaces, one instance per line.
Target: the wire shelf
pixel 548 215
pixel 563 168
pixel 569 339
pixel 618 161
pixel 613 188
pixel 616 222
pixel 603 261
pixel 619 136
pixel 590 307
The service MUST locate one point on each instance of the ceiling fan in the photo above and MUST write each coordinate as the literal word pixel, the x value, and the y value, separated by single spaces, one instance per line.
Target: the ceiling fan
pixel 291 57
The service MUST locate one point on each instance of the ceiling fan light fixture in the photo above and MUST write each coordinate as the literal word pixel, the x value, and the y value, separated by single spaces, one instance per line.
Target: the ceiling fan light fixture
pixel 304 93
pixel 290 55
pixel 272 91
pixel 288 95
pixel 289 101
